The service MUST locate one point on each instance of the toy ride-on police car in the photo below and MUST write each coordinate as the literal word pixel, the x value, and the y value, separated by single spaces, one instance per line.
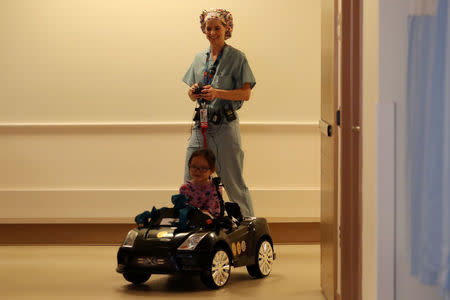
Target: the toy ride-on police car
pixel 183 239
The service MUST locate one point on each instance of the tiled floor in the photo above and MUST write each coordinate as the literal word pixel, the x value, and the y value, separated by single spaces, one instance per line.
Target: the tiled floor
pixel 88 272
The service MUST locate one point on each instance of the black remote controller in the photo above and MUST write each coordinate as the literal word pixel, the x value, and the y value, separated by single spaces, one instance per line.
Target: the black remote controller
pixel 198 89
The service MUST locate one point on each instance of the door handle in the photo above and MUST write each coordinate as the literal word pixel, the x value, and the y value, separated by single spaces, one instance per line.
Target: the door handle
pixel 356 129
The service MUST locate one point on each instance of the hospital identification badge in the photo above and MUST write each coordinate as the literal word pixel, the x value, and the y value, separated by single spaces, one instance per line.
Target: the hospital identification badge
pixel 203 118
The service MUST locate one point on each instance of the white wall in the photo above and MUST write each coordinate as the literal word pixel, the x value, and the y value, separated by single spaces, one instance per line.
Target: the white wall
pixel 95 118
pixel 369 100
pixel 393 70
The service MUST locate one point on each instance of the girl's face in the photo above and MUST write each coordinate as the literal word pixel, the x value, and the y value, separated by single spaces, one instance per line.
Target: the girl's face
pixel 215 31
pixel 199 170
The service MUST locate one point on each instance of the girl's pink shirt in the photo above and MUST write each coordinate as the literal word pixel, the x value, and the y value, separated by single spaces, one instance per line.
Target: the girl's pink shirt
pixel 202 196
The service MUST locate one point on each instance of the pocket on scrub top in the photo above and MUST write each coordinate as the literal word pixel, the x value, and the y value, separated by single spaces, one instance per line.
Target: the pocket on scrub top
pixel 224 81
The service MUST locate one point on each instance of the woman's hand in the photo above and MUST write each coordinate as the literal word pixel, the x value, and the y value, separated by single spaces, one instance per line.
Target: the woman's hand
pixel 191 94
pixel 209 93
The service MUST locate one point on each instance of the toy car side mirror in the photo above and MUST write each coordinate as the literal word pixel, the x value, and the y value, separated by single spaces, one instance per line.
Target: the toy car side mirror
pixel 223 222
pixel 233 210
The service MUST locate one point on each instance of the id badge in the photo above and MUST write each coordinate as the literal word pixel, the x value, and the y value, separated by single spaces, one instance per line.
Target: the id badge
pixel 203 118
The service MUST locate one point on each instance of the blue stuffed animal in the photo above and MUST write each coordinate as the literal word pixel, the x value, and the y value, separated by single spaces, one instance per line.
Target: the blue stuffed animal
pixel 143 219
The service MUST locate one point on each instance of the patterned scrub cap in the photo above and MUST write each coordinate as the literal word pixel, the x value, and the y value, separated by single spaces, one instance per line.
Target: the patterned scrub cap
pixel 221 14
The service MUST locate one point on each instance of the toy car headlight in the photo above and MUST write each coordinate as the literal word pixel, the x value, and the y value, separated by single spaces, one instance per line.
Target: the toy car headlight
pixel 129 240
pixel 192 241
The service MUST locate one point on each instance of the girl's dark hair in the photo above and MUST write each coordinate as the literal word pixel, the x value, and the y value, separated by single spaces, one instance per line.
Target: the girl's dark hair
pixel 207 154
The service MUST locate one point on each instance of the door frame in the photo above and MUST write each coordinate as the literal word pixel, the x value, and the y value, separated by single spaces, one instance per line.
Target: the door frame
pixel 351 150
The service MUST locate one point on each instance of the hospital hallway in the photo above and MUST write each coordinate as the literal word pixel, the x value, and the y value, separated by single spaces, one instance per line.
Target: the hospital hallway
pixel 88 272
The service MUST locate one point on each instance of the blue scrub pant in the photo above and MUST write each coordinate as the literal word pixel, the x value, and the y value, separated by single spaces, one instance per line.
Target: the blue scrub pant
pixel 224 140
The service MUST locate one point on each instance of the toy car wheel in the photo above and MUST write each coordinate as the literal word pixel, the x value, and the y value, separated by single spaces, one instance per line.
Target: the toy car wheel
pixel 136 278
pixel 264 260
pixel 218 271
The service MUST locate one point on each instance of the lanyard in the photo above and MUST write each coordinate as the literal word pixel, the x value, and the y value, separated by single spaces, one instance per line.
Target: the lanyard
pixel 208 75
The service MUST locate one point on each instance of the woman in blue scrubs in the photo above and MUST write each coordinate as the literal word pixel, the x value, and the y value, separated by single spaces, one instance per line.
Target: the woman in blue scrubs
pixel 226 80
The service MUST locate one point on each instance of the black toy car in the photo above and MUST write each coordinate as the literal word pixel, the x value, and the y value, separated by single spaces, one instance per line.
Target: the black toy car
pixel 202 245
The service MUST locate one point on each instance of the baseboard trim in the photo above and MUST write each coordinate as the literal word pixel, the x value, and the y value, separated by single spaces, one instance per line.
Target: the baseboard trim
pixel 305 232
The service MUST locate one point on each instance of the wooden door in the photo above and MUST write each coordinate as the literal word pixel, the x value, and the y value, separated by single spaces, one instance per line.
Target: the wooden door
pixel 329 148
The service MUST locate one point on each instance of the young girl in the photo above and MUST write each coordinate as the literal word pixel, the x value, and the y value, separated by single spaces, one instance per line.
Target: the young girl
pixel 200 191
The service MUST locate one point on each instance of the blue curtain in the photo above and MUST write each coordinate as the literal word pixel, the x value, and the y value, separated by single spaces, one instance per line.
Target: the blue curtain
pixel 428 136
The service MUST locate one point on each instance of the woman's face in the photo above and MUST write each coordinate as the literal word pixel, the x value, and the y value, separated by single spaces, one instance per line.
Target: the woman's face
pixel 215 31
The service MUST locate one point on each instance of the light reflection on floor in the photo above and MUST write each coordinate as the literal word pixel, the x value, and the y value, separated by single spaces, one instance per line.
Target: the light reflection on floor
pixel 88 272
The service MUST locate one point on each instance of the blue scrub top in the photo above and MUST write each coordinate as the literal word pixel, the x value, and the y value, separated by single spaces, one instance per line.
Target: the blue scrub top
pixel 232 72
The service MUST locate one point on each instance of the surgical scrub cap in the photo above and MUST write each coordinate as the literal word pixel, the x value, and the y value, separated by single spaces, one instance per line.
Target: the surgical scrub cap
pixel 221 14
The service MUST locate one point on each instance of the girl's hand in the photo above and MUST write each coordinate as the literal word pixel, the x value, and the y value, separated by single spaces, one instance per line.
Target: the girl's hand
pixel 207 213
pixel 209 93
